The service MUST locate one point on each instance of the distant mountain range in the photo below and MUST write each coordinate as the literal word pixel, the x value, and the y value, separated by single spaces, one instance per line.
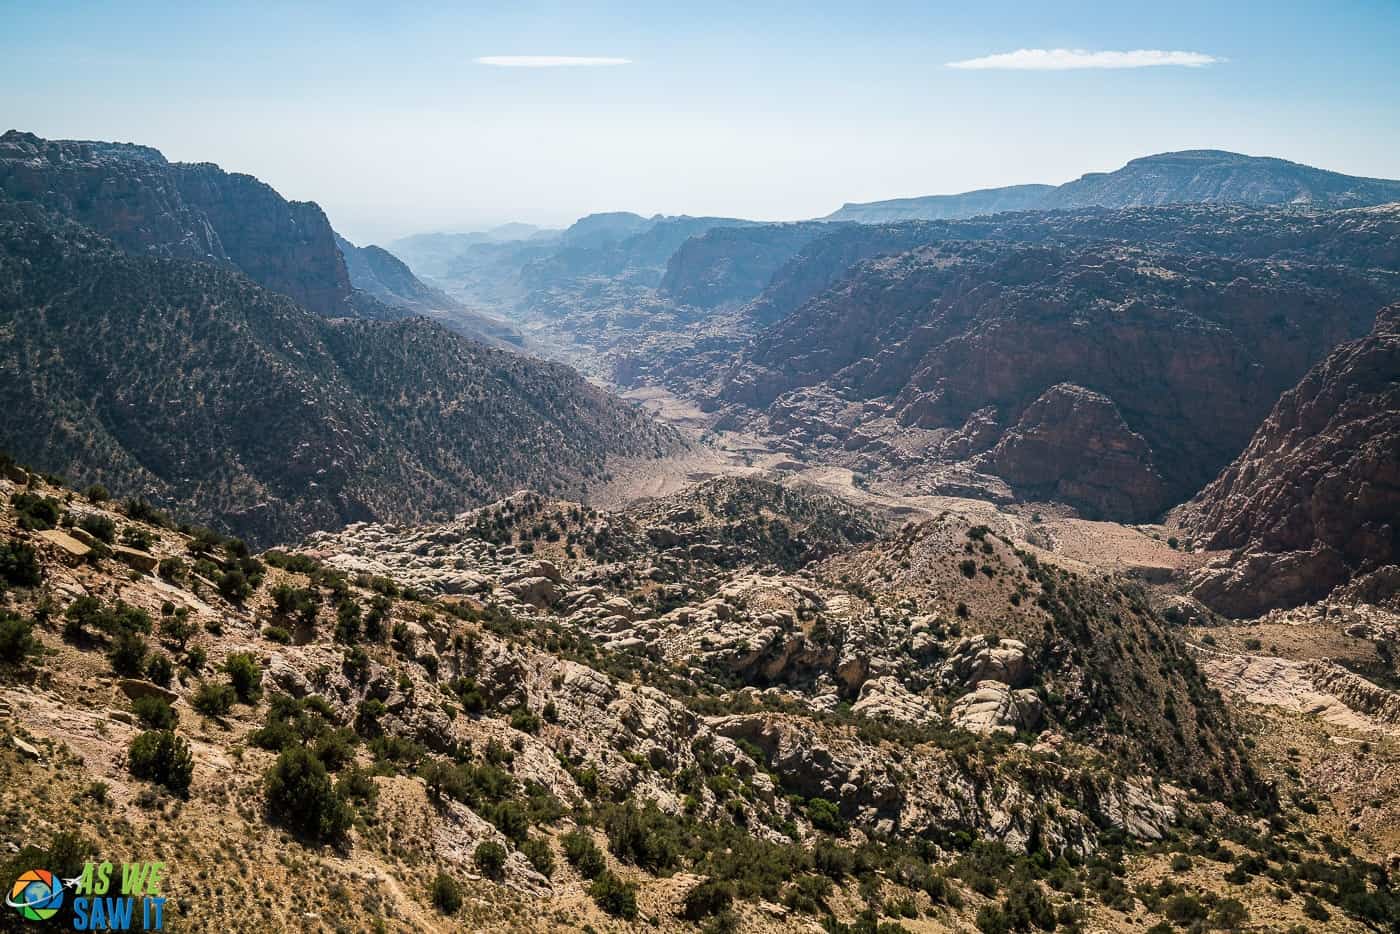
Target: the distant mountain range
pixel 1194 175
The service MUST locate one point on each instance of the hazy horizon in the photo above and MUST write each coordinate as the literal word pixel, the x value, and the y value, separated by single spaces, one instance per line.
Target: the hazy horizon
pixel 444 118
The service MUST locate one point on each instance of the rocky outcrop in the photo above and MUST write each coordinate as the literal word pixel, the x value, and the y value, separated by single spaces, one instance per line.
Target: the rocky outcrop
pixel 1315 496
pixel 1072 445
pixel 149 206
pixel 993 707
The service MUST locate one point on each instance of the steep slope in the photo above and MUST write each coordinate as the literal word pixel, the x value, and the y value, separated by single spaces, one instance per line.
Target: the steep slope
pixel 152 207
pixel 1315 497
pixel 891 362
pixel 383 275
pixel 938 207
pixel 190 383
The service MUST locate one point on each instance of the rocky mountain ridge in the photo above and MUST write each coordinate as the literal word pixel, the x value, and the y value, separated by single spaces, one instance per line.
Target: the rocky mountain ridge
pixel 1314 499
pixel 194 211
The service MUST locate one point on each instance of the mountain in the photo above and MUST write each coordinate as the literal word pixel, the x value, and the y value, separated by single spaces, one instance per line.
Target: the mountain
pixel 1209 175
pixel 1314 499
pixel 803 266
pixel 938 207
pixel 190 383
pixel 383 275
pixel 949 354
pixel 732 264
pixel 1197 175
pixel 148 206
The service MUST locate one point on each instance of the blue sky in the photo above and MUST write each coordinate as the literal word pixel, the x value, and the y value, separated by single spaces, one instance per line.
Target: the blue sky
pixel 381 113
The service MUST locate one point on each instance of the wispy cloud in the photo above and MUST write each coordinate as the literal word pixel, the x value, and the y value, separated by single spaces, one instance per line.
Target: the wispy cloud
pixel 549 61
pixel 1066 59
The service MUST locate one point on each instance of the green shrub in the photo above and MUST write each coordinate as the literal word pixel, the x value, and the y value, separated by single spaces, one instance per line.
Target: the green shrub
pixel 541 857
pixel 234 587
pixel 99 527
pixel 490 858
pixel 992 920
pixel 128 655
pixel 583 854
pixel 212 699
pixel 171 569
pixel 17 642
pixel 35 513
pixel 523 720
pixel 300 796
pixel 447 894
pixel 825 815
pixel 19 565
pixel 357 785
pixel 159 669
pixel 614 896
pixel 244 674
pixel 162 757
pixel 708 898
pixel 155 712
pixel 97 493
pixel 277 634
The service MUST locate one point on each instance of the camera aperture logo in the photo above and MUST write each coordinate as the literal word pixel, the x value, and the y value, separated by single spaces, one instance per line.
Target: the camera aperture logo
pixel 106 897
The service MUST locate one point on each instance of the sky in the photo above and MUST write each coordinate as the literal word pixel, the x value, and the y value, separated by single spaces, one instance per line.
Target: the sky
pixel 401 118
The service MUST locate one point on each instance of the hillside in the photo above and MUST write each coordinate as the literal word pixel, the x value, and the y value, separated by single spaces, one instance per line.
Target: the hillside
pixel 151 207
pixel 1314 499
pixel 935 355
pixel 195 387
pixel 539 716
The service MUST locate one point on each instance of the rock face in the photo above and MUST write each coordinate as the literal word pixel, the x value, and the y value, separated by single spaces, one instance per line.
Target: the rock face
pixel 1315 497
pixel 1071 445
pixel 1175 360
pixel 993 707
pixel 149 206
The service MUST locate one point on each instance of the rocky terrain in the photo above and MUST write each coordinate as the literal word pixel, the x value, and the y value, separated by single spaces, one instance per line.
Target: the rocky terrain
pixel 750 706
pixel 960 346
pixel 1314 499
pixel 187 384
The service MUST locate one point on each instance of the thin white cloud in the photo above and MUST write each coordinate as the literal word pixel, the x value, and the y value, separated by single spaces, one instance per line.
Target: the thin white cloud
pixel 1066 59
pixel 549 61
